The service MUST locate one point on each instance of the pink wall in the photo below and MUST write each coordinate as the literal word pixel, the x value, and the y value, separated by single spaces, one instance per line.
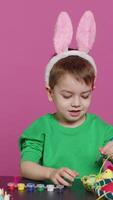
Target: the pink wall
pixel 26 30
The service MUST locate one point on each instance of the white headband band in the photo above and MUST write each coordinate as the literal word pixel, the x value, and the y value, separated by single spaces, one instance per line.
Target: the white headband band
pixel 85 37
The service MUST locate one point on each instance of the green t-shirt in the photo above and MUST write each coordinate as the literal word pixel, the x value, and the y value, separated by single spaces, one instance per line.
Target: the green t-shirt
pixel 50 144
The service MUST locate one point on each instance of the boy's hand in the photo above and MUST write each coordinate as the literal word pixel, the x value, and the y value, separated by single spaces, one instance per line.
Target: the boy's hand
pixel 62 176
pixel 107 149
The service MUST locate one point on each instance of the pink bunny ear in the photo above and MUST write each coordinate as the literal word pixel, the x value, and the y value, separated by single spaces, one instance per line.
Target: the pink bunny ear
pixel 63 33
pixel 86 32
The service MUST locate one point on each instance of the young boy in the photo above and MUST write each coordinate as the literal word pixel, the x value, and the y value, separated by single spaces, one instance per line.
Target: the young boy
pixel 66 144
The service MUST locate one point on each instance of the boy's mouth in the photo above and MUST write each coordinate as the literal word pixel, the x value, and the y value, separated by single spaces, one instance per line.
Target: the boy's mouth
pixel 74 113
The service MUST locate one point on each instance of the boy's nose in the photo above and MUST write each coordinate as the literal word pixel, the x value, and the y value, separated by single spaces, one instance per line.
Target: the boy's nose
pixel 76 102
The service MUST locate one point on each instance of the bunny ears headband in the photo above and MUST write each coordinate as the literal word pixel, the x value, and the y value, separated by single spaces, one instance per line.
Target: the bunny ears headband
pixel 85 37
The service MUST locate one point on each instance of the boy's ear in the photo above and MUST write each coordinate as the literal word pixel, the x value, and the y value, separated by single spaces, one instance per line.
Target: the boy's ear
pixel 49 93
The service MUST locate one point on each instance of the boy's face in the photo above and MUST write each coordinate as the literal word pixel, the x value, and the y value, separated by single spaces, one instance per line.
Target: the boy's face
pixel 72 100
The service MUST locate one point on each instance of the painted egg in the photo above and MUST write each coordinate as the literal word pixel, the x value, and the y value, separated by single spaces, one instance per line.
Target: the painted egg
pixel 107 174
pixel 108 187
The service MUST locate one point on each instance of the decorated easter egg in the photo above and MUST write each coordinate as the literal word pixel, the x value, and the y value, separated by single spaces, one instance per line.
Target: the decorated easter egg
pixel 105 175
pixel 108 187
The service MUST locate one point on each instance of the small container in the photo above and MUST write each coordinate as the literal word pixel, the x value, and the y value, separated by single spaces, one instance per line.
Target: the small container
pixel 30 187
pixel 21 186
pixel 50 187
pixel 40 187
pixel 60 187
pixel 11 186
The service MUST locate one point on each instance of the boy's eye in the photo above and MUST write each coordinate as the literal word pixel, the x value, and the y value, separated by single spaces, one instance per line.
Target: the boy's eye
pixel 66 97
pixel 85 96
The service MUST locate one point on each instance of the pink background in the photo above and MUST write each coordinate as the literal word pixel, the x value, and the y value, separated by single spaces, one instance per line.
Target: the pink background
pixel 26 31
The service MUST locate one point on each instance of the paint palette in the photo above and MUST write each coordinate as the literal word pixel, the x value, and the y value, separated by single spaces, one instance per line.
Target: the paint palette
pixel 30 187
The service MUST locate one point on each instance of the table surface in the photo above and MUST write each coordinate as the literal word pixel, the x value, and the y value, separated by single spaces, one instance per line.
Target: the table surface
pixel 76 192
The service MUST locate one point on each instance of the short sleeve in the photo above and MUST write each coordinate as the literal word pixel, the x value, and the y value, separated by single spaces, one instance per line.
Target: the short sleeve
pixel 31 143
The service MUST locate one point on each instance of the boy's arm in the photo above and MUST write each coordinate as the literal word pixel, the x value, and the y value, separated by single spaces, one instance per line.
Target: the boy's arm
pixel 63 176
pixel 34 171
